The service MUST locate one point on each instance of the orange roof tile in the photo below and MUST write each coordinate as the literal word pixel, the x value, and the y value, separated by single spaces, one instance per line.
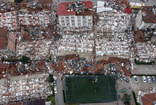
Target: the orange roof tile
pixel 3 38
pixel 148 99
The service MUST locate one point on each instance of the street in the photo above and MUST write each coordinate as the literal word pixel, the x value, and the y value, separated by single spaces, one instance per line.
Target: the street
pixel 59 100
pixel 144 69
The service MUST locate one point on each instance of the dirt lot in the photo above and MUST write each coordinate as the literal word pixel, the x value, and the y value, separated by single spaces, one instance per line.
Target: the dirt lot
pixel 122 85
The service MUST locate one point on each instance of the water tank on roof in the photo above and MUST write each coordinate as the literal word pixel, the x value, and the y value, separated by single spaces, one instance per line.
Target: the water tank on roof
pixel 69 6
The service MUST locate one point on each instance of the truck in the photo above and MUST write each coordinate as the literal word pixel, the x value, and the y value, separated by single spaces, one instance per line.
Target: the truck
pixel 135 5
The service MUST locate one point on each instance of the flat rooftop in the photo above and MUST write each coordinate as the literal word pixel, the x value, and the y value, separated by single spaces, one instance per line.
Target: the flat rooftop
pixel 62 8
pixel 148 14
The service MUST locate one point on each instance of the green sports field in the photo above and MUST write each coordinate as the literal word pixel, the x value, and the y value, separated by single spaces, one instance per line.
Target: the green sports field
pixel 89 89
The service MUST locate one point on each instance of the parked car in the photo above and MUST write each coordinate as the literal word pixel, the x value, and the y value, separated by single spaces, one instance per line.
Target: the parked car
pixel 135 78
pixel 55 89
pixel 153 79
pixel 54 82
pixel 127 80
pixel 144 78
pixel 148 79
pixel 123 90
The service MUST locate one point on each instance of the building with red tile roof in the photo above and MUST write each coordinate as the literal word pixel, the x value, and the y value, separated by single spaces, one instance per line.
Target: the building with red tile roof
pixel 75 14
pixel 11 41
pixel 3 39
pixel 7 41
pixel 146 18
pixel 149 99
pixel 128 10
pixel 62 8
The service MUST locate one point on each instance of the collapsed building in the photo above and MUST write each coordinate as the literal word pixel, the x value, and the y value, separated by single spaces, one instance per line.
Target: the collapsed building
pixel 145 24
pixel 110 19
pixel 146 52
pixel 36 50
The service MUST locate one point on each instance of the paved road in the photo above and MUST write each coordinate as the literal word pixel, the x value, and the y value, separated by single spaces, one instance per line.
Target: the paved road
pixel 144 69
pixel 147 2
pixel 59 96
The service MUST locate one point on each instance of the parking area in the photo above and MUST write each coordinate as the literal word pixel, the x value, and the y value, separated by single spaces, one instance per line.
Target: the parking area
pixel 139 85
pixel 127 86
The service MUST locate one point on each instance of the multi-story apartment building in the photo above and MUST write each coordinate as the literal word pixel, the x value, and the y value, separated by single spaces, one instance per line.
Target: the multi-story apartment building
pixel 75 14
pixel 146 18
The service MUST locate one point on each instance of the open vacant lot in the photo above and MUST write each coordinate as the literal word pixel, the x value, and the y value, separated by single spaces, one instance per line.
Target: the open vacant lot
pixel 89 89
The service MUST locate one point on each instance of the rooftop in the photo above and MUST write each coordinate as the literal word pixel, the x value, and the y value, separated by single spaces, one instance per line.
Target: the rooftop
pixel 148 15
pixel 128 10
pixel 86 12
pixel 3 38
pixel 148 99
pixel 138 36
pixel 124 3
pixel 62 8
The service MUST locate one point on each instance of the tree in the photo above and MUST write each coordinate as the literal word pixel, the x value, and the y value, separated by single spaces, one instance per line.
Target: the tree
pixel 126 99
pixel 18 1
pixel 50 79
pixel 24 59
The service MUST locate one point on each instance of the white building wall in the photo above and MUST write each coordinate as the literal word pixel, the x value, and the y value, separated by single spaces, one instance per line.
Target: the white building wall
pixel 81 21
pixel 138 19
pixel 142 25
pixel 70 23
pixel 88 21
pixel 76 21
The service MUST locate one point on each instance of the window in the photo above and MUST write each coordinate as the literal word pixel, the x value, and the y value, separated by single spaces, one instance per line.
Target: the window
pixel 62 18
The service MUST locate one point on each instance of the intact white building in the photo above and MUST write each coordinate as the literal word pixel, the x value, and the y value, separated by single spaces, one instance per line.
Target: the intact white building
pixel 75 14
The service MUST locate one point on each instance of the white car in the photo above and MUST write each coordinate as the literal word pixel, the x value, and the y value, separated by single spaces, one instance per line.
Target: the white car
pixel 144 78
pixel 148 79
pixel 55 89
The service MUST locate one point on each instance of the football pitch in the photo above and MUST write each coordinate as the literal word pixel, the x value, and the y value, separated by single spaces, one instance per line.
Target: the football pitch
pixel 90 89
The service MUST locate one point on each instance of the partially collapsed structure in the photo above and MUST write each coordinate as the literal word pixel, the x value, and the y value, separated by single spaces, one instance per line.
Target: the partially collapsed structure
pixel 146 18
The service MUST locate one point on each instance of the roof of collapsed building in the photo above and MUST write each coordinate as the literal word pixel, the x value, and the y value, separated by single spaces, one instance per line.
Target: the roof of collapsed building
pixel 63 10
pixel 149 14
pixel 30 102
pixel 33 32
pixel 124 3
pixel 20 69
pixel 138 36
pixel 74 64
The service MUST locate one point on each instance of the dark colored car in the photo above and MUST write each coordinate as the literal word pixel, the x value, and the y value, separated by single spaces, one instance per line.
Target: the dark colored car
pixel 127 80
